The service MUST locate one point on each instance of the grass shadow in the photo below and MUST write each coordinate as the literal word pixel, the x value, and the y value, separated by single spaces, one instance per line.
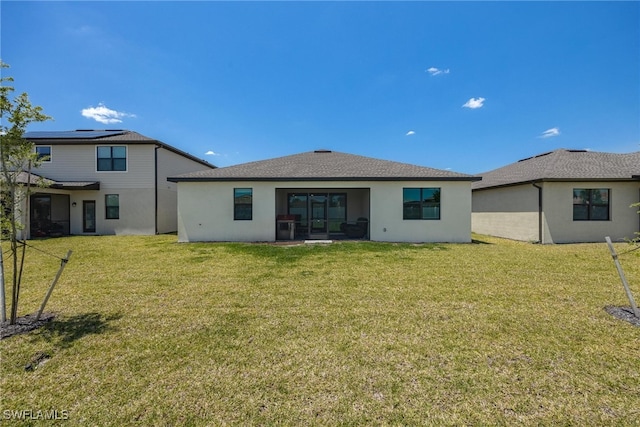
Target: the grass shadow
pixel 279 254
pixel 296 252
pixel 480 242
pixel 67 331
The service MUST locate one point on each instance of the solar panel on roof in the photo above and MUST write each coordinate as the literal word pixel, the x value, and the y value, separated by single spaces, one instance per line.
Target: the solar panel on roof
pixel 73 134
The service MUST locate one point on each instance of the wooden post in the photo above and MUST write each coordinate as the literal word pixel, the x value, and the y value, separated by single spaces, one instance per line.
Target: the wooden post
pixel 614 255
pixel 55 280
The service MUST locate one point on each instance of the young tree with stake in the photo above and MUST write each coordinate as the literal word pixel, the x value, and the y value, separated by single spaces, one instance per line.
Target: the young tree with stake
pixel 17 157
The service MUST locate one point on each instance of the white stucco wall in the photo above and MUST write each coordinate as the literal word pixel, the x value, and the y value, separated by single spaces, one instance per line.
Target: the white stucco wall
pixel 509 212
pixel 205 211
pixel 558 207
pixel 171 164
pixel 136 211
pixel 454 224
pixel 512 212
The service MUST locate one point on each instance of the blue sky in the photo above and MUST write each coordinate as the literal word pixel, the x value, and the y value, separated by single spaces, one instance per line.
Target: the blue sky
pixel 466 86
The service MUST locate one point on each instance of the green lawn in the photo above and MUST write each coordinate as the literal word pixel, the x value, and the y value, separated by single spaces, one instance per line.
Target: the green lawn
pixel 353 333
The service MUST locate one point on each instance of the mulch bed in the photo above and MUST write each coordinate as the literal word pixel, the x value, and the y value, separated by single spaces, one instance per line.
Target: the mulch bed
pixel 24 324
pixel 623 313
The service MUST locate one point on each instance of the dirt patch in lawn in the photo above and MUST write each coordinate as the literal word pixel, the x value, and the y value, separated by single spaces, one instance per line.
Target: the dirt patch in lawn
pixel 24 324
pixel 623 313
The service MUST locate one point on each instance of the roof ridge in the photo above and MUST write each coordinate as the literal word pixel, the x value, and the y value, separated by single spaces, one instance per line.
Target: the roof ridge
pixel 557 151
pixel 326 165
pixel 564 164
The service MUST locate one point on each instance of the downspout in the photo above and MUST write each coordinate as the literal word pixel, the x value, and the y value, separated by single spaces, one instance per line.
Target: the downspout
pixel 155 171
pixel 539 211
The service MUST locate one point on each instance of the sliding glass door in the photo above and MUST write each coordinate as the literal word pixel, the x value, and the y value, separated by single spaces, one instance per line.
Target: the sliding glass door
pixel 297 206
pixel 318 214
pixel 337 211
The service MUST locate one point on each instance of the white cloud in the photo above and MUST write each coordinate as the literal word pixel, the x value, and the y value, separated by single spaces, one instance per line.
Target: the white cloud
pixel 435 71
pixel 474 103
pixel 105 115
pixel 410 133
pixel 211 153
pixel 550 132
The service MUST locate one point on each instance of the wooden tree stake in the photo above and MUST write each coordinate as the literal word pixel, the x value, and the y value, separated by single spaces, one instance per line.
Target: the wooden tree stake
pixel 55 280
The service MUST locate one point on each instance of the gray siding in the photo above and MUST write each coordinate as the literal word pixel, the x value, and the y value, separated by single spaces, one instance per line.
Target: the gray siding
pixel 171 164
pixel 78 163
pixel 136 186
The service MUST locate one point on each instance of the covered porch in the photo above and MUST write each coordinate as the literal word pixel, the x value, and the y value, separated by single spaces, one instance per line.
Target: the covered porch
pixel 322 213
pixel 49 209
pixel 49 215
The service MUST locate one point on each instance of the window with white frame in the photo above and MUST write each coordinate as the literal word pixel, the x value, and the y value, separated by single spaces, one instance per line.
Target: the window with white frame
pixel 111 158
pixel 43 152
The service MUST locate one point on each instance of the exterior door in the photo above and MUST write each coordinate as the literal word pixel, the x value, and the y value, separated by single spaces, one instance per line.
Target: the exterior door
pixel 89 216
pixel 318 215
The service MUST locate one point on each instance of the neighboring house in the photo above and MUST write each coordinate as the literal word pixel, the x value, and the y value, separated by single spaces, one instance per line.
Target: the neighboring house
pixel 564 196
pixel 326 195
pixel 104 182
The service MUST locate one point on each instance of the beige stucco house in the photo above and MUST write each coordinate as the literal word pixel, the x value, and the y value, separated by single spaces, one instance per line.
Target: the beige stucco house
pixel 104 182
pixel 564 196
pixel 323 195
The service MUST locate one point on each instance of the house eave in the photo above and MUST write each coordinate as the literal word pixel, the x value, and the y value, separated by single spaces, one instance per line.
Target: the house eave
pixel 37 181
pixel 318 179
pixel 179 152
pixel 535 181
pixel 76 185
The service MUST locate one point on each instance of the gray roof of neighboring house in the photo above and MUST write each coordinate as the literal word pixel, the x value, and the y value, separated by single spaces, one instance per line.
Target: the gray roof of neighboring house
pixel 106 136
pixel 564 165
pixel 324 165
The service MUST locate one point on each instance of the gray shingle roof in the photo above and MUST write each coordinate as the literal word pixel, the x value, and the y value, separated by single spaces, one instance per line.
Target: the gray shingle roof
pixel 90 137
pixel 86 136
pixel 564 165
pixel 35 179
pixel 323 165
